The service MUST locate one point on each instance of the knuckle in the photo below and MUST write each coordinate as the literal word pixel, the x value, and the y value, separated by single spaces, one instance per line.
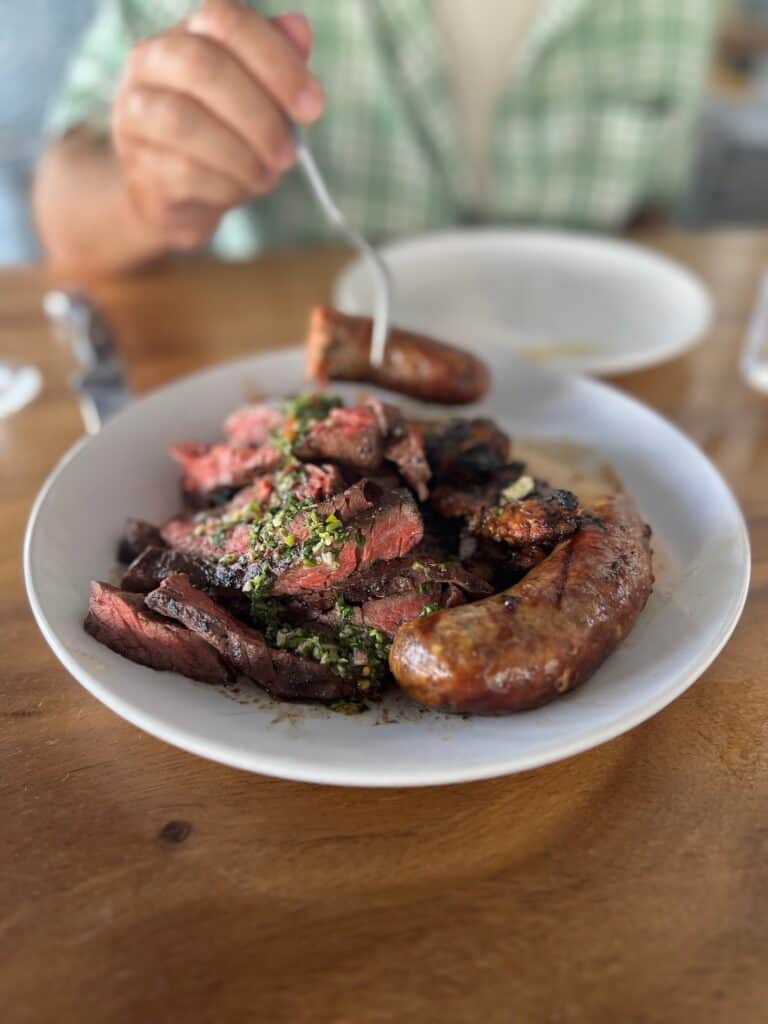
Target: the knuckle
pixel 223 18
pixel 198 57
pixel 174 116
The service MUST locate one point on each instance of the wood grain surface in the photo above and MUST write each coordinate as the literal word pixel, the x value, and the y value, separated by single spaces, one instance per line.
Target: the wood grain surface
pixel 141 884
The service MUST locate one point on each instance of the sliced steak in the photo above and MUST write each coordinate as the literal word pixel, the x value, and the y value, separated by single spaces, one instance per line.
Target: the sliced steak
pixel 137 535
pixel 210 472
pixel 122 622
pixel 406 575
pixel 208 541
pixel 251 425
pixel 403 445
pixel 241 647
pixel 351 436
pixel 407 453
pixel 387 614
pixel 301 679
pixel 388 529
pixel 154 565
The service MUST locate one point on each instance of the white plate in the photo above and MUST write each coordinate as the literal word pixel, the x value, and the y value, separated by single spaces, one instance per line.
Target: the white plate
pixel 578 303
pixel 125 471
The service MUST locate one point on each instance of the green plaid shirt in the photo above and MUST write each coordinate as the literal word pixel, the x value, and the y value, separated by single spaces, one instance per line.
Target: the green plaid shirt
pixel 596 120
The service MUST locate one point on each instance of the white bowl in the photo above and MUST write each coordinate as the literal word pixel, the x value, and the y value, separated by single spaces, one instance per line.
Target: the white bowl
pixel 701 586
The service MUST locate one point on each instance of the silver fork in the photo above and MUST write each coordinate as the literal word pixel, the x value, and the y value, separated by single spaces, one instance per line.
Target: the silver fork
pixel 382 288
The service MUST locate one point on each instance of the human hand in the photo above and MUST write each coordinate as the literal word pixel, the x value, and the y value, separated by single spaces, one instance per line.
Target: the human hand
pixel 201 118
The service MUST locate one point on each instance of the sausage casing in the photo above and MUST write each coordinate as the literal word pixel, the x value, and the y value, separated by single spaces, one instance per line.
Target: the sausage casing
pixel 543 636
pixel 339 348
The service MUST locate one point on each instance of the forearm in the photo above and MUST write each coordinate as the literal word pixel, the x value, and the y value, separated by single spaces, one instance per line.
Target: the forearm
pixel 84 214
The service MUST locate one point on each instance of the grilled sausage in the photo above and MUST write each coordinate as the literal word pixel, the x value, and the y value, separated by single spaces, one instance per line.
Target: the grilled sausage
pixel 543 636
pixel 339 347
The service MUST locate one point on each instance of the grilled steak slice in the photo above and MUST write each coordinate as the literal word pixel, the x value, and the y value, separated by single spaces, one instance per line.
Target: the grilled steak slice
pixel 384 614
pixel 241 647
pixel 388 529
pixel 403 445
pixel 407 453
pixel 389 613
pixel 210 472
pixel 351 436
pixel 122 622
pixel 406 575
pixel 212 543
pixel 155 564
pixel 462 451
pixel 301 679
pixel 137 535
pixel 251 425
pixel 222 534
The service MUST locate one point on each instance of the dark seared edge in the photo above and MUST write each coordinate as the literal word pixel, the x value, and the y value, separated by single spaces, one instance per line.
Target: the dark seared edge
pixel 123 622
pixel 155 564
pixel 283 674
pixel 137 535
pixel 241 647
pixel 543 636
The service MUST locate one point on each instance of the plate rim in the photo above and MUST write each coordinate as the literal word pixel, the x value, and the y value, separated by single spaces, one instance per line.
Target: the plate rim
pixel 298 771
pixel 617 364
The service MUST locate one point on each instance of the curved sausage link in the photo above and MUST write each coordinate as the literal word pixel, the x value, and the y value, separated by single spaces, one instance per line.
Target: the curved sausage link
pixel 338 348
pixel 543 636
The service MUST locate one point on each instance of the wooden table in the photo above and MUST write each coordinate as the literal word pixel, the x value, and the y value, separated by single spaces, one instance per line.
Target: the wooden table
pixel 141 884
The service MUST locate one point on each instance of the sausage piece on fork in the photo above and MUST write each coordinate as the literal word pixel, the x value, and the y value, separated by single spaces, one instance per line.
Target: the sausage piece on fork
pixel 339 348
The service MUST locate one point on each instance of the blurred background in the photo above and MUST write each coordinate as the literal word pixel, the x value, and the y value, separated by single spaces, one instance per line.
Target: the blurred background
pixel 727 187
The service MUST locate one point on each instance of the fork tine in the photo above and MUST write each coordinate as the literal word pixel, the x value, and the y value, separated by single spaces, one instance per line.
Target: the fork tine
pixel 382 288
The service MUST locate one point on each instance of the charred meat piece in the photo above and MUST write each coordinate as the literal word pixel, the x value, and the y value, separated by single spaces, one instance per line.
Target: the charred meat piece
pixel 155 564
pixel 123 622
pixel 458 501
pixel 499 565
pixel 241 647
pixel 542 637
pixel 213 472
pixel 137 535
pixel 352 436
pixel 251 425
pixel 540 520
pixel 339 347
pixel 463 451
